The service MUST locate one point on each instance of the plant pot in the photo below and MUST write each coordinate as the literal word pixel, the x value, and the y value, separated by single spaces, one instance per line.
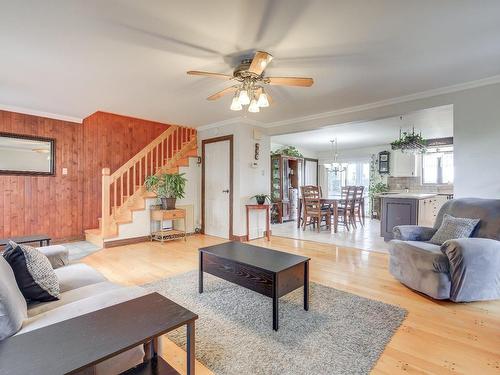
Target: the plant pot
pixel 168 203
pixel 261 200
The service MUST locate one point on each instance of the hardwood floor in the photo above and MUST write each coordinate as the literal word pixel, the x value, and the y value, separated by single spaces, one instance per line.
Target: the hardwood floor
pixel 436 337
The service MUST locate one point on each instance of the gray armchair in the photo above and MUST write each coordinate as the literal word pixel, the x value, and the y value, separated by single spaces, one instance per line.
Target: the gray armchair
pixel 466 269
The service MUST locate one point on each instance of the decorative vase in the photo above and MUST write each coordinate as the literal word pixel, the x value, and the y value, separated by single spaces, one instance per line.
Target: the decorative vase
pixel 168 203
pixel 260 200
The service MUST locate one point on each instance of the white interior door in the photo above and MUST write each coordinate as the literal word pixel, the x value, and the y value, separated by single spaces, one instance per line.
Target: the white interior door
pixel 311 172
pixel 217 185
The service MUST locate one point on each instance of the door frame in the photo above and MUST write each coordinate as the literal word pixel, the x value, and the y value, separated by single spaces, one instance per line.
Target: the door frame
pixel 204 142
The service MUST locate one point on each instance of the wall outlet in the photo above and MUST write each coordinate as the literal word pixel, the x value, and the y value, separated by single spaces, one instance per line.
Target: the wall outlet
pixel 65 171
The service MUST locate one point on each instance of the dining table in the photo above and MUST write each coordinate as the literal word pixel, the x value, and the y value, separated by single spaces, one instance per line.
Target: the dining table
pixel 333 201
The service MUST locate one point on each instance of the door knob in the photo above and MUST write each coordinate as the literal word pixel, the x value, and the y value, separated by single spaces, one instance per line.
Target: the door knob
pixel 226 191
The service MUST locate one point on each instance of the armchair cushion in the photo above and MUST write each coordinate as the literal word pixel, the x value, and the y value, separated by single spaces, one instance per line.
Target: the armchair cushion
pixel 413 233
pixel 474 268
pixel 452 228
pixel 420 266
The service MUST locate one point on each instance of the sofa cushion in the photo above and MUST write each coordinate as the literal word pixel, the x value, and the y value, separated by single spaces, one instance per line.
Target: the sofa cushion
pixel 82 306
pixel 33 272
pixel 452 228
pixel 13 309
pixel 76 275
pixel 57 254
pixel 72 296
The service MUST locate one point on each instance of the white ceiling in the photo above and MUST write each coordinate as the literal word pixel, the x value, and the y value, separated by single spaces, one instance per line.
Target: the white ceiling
pixel 75 57
pixel 433 123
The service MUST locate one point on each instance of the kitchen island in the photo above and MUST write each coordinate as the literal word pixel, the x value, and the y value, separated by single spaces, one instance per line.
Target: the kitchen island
pixel 409 209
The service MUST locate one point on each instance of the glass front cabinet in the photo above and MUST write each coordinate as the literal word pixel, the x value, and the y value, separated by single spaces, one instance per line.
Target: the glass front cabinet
pixel 286 178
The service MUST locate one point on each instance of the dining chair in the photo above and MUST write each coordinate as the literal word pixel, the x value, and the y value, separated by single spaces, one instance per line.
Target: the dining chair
pixel 357 207
pixel 346 205
pixel 313 212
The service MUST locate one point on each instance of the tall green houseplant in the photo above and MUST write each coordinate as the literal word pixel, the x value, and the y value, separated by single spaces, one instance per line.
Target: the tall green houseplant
pixel 168 187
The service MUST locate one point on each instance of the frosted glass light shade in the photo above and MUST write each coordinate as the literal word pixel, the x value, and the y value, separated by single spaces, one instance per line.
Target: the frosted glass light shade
pixel 253 107
pixel 235 104
pixel 263 102
pixel 244 98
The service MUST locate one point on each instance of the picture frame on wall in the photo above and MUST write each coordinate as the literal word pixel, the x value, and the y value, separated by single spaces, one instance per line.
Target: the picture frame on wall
pixel 383 162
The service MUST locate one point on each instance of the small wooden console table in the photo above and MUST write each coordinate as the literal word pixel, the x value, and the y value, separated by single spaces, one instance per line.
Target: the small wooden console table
pixel 259 207
pixel 158 214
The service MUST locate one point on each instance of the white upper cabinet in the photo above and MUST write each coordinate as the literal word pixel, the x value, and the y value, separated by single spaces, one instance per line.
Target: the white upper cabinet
pixel 403 165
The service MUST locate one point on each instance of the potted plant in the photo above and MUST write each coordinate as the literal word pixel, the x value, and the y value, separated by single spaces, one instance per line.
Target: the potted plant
pixel 168 187
pixel 261 198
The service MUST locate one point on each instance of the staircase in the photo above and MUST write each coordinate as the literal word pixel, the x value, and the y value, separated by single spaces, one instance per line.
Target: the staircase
pixel 123 191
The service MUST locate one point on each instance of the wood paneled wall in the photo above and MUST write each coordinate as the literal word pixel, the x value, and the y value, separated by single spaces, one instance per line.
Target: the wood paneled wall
pixel 110 140
pixel 64 206
pixel 44 204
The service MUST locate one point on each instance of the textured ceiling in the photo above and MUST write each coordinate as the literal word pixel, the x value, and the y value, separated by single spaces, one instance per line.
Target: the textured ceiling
pixel 130 57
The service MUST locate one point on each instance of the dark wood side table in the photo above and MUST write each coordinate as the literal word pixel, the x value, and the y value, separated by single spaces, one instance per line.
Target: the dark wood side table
pixel 62 348
pixel 266 207
pixel 40 238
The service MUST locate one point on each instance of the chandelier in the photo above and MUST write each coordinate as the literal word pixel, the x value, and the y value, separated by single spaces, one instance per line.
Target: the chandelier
pixel 249 94
pixel 411 143
pixel 335 166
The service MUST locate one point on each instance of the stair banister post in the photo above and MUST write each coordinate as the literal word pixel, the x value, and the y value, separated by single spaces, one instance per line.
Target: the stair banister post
pixel 106 216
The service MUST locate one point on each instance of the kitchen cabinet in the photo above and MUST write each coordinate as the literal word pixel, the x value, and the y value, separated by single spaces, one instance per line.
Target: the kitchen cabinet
pixel 404 165
pixel 397 211
pixel 428 210
pixel 409 209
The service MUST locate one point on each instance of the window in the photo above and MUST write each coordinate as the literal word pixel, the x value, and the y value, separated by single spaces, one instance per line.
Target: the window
pixel 356 173
pixel 437 165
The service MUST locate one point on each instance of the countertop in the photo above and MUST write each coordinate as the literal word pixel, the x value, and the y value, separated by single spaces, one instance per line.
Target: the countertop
pixel 408 195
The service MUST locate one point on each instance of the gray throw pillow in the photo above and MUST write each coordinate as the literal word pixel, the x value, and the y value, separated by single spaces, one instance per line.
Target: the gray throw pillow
pixel 452 228
pixel 33 272
pixel 13 309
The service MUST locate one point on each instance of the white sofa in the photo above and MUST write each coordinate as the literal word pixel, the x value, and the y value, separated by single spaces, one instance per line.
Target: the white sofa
pixel 83 290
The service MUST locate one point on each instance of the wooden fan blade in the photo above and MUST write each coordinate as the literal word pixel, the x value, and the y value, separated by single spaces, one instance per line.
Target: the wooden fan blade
pixel 227 90
pixel 290 81
pixel 209 74
pixel 259 62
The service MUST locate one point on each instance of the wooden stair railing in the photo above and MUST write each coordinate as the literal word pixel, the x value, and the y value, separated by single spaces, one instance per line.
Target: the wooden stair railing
pixel 127 181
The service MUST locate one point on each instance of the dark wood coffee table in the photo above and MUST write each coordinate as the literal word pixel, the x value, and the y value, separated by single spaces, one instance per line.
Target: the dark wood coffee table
pixel 76 345
pixel 268 272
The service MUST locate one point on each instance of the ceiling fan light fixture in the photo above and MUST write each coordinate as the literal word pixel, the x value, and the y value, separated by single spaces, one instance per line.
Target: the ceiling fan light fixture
pixel 235 104
pixel 244 98
pixel 263 101
pixel 253 107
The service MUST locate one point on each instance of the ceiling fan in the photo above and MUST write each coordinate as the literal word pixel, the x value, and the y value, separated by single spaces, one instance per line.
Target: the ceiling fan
pixel 251 80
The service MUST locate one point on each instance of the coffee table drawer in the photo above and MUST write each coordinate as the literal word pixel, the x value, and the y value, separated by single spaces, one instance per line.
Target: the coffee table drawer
pixel 244 275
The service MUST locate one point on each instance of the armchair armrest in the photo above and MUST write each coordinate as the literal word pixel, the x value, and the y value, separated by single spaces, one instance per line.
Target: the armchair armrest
pixel 413 233
pixel 57 254
pixel 474 268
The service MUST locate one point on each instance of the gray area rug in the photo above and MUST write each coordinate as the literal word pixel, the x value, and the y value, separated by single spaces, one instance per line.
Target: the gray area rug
pixel 80 249
pixel 340 334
